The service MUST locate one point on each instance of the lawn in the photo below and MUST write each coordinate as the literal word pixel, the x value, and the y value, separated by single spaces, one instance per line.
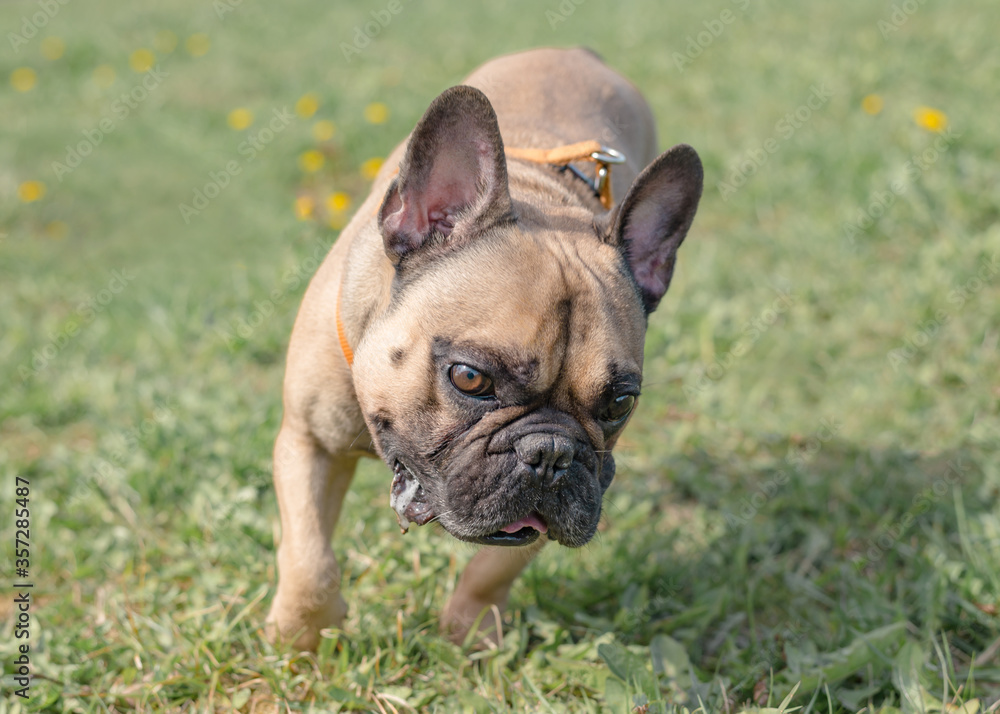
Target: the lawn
pixel 806 507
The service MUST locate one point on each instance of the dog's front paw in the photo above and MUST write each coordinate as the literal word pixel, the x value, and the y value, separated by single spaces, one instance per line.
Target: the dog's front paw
pixel 308 600
pixel 460 615
pixel 294 624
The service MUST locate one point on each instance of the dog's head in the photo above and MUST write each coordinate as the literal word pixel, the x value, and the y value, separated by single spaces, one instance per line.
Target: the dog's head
pixel 510 357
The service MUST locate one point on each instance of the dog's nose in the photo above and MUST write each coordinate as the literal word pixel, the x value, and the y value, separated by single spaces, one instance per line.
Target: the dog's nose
pixel 548 455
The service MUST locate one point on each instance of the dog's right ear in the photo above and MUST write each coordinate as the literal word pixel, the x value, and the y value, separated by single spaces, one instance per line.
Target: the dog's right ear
pixel 453 177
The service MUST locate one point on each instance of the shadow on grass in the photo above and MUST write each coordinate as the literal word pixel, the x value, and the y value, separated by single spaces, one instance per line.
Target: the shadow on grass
pixel 766 570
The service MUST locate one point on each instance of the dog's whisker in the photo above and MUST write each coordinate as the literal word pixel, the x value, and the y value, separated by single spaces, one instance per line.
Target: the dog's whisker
pixel 439 516
pixel 355 440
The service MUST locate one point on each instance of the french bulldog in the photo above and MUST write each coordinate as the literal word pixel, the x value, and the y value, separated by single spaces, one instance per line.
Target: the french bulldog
pixel 479 325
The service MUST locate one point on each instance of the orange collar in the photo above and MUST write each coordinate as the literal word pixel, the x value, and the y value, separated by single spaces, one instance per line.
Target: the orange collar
pixel 345 346
pixel 562 156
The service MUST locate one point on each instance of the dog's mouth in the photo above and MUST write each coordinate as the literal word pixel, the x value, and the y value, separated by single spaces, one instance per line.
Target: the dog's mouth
pixel 518 533
pixel 409 501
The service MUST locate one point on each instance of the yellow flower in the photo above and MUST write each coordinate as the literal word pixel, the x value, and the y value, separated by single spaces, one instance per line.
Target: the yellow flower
pixel 338 202
pixel 57 230
pixel 872 104
pixel 104 76
pixel 323 130
pixel 31 191
pixel 311 161
pixel 239 119
pixel 198 44
pixel 337 221
pixel 370 168
pixel 307 105
pixel 23 79
pixel 930 119
pixel 165 41
pixel 142 60
pixel 304 206
pixel 376 113
pixel 53 48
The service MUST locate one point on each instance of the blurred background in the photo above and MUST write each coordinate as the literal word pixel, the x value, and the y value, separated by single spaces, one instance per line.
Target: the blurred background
pixel 808 493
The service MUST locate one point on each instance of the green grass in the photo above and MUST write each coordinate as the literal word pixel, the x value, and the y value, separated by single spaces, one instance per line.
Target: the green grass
pixel 785 512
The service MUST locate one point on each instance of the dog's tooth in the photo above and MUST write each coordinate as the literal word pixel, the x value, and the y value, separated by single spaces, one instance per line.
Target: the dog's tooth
pixel 398 486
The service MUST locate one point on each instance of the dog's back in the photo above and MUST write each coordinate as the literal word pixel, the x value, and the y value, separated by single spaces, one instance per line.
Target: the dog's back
pixel 551 97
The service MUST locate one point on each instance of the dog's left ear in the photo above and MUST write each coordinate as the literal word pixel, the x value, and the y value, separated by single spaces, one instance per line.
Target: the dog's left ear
pixel 651 221
pixel 452 177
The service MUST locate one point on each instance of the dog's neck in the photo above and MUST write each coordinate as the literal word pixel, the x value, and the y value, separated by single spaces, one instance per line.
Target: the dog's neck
pixel 530 181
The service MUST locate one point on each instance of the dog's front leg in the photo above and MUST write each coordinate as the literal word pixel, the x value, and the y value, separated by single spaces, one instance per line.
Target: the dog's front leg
pixel 310 484
pixel 485 582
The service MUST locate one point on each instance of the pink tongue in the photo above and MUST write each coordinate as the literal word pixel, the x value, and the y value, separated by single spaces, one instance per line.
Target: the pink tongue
pixel 530 521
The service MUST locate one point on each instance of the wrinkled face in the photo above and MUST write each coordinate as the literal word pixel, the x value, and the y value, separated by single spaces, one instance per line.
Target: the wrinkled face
pixel 508 361
pixel 499 381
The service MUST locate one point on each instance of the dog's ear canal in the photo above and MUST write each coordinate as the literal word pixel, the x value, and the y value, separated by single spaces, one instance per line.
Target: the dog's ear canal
pixel 651 221
pixel 453 175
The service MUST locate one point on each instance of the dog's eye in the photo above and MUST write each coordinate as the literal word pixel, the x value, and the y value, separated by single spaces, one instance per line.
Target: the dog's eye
pixel 620 408
pixel 470 381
